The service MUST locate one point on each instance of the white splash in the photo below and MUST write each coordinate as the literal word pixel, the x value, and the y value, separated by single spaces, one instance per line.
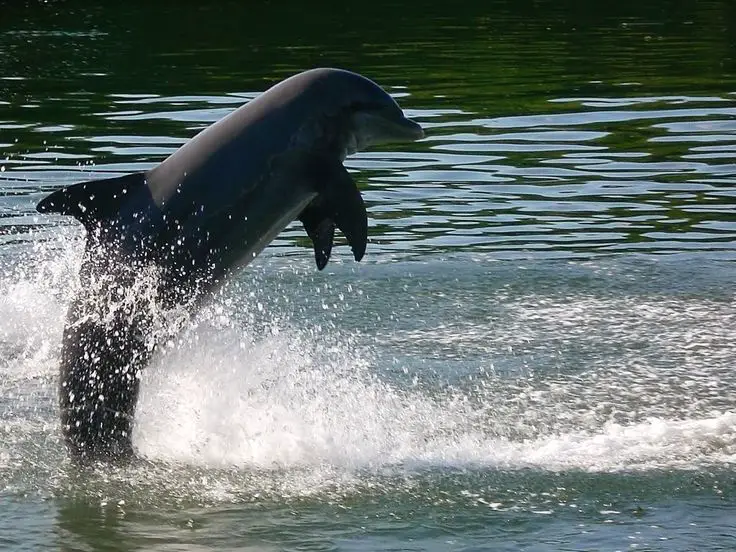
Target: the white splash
pixel 225 397
pixel 233 391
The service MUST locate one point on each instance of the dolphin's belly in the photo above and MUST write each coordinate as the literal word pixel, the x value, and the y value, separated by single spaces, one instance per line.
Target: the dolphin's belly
pixel 237 236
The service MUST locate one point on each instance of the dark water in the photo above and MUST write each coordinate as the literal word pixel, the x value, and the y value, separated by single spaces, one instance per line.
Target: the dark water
pixel 536 353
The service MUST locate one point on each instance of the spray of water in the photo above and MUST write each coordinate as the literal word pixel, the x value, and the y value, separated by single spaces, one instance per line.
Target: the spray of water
pixel 297 403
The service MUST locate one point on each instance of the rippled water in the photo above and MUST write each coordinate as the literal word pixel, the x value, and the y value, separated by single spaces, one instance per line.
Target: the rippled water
pixel 536 353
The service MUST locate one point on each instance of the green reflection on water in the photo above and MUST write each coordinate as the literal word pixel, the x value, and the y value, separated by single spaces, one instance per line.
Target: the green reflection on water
pixel 75 75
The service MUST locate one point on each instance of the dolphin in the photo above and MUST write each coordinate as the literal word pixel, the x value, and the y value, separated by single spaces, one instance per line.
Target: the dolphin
pixel 207 210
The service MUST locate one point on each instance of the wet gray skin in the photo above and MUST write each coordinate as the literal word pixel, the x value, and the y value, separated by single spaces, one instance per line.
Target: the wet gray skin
pixel 209 208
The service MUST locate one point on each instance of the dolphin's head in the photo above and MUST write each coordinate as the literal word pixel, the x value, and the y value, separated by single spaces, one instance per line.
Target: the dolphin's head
pixel 351 113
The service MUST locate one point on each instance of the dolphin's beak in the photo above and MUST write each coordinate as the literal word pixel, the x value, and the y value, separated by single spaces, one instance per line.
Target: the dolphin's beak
pixel 378 127
pixel 411 130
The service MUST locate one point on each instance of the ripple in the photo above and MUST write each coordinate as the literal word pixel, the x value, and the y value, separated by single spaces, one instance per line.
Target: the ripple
pixel 606 179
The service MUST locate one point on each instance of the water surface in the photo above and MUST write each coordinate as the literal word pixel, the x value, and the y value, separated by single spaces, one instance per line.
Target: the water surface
pixel 535 354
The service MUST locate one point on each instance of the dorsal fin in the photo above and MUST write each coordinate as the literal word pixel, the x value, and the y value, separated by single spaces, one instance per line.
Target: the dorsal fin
pixel 92 201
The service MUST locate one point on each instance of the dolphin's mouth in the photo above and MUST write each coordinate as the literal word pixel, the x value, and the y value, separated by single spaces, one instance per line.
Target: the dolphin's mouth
pixel 379 127
pixel 403 130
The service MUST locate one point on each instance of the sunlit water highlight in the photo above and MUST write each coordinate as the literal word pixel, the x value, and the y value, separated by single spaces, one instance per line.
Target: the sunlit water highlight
pixel 474 389
pixel 497 366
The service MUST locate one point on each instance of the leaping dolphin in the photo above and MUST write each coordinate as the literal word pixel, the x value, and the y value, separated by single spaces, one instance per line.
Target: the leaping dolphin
pixel 206 210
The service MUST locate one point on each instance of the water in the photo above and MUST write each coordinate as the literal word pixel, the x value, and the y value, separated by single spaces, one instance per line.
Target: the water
pixel 535 354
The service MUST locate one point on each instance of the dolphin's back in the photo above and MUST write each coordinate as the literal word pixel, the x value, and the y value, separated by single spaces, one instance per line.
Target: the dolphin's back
pixel 213 170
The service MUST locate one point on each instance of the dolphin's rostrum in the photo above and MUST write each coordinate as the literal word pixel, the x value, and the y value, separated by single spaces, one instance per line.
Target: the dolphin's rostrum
pixel 209 208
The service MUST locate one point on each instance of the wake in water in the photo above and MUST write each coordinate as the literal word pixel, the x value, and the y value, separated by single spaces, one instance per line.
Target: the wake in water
pixel 221 397
pixel 260 385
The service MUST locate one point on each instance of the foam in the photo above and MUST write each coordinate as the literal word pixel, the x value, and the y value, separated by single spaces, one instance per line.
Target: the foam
pixel 260 385
pixel 226 397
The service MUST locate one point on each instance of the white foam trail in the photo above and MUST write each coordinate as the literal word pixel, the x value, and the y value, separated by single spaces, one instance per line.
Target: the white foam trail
pixel 35 287
pixel 30 329
pixel 656 443
pixel 34 291
pixel 268 392
pixel 226 398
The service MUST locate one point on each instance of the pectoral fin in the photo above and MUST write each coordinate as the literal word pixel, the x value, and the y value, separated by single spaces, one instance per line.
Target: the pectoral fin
pixel 338 204
pixel 321 229
pixel 343 200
